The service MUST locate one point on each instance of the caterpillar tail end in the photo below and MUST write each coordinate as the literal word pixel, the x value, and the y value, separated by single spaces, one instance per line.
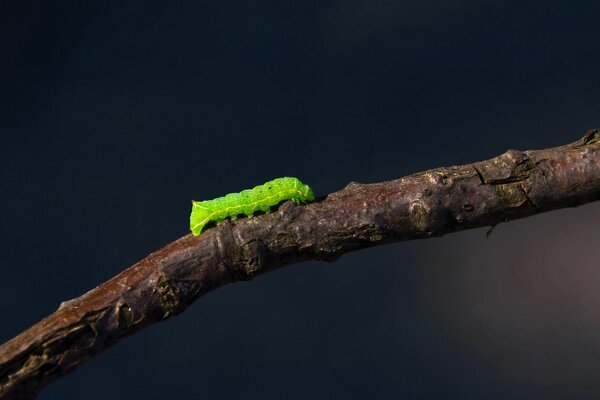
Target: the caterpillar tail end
pixel 198 218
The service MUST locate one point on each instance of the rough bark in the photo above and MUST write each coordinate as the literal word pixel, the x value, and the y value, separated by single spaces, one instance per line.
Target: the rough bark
pixel 513 185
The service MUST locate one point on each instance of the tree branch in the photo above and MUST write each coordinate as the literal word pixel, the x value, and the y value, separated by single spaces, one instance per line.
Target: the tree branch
pixel 432 203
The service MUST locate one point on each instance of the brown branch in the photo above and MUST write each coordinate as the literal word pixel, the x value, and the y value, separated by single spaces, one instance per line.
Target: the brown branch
pixel 432 203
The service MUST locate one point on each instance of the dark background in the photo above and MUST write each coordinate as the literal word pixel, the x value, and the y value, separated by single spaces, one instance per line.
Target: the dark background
pixel 113 115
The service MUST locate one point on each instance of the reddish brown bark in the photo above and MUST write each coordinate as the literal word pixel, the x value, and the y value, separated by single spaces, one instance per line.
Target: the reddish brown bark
pixel 432 203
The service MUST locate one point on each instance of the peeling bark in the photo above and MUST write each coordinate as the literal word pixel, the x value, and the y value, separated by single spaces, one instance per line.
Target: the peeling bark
pixel 513 185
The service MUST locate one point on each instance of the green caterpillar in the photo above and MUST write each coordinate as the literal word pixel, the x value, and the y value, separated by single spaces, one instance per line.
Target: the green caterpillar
pixel 249 201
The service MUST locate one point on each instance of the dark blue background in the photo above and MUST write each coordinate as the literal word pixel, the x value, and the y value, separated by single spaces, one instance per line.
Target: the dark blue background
pixel 113 115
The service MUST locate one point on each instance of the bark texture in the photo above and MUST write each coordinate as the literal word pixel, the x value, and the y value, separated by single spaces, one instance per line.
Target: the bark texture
pixel 513 185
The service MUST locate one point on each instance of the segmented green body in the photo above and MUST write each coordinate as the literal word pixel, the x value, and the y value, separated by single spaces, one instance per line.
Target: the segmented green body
pixel 249 201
